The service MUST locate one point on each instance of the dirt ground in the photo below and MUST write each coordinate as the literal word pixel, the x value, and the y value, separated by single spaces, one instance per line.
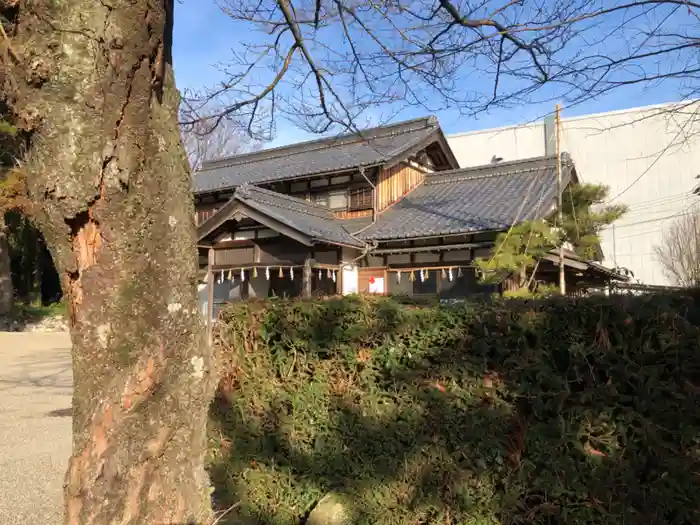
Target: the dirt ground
pixel 35 426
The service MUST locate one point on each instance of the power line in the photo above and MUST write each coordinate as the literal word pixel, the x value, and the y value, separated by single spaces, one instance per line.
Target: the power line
pixel 658 157
pixel 641 208
pixel 675 196
pixel 681 213
pixel 617 226
pixel 639 234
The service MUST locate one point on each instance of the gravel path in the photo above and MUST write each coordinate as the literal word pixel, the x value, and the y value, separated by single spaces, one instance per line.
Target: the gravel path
pixel 35 426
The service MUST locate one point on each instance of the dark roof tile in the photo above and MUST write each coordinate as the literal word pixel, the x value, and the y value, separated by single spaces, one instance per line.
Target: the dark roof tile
pixel 475 199
pixel 306 217
pixel 368 148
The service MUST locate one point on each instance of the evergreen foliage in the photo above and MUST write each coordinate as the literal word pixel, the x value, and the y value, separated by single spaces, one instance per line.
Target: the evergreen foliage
pixel 518 250
pixel 577 412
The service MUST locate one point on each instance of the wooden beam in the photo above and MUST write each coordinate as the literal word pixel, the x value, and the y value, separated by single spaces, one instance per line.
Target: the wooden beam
pixel 433 248
pixel 567 262
pixel 339 273
pixel 240 243
pixel 306 280
pixel 216 220
pixel 276 225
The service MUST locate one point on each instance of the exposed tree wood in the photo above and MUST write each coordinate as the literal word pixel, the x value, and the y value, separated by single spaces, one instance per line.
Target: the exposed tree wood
pixel 110 186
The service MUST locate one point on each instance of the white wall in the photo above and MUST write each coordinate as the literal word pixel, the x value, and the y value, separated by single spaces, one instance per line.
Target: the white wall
pixel 649 157
pixel 477 148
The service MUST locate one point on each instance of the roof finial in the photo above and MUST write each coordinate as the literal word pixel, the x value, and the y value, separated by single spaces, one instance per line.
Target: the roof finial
pixel 243 190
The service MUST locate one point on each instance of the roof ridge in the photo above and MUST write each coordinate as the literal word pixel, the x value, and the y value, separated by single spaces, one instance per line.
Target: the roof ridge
pixel 245 189
pixel 320 144
pixel 486 171
pixel 399 149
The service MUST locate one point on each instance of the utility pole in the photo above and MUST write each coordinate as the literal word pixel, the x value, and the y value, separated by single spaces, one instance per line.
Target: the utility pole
pixel 560 216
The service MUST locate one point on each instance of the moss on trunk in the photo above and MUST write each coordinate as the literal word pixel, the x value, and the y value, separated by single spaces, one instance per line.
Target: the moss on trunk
pixel 92 84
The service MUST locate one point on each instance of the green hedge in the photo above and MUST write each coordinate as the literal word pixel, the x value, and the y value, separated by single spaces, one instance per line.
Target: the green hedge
pixel 556 412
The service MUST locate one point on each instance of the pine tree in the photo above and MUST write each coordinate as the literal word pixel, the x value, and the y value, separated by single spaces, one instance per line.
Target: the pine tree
pixel 517 251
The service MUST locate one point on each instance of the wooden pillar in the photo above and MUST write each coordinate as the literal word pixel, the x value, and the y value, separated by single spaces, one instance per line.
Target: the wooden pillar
pixel 306 282
pixel 210 296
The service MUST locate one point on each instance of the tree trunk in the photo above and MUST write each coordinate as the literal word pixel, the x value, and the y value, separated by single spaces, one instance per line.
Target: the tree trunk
pixel 6 292
pixel 92 83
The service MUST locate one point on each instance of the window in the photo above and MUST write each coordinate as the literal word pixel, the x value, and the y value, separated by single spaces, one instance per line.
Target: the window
pixel 360 198
pixel 298 186
pixel 203 215
pixel 320 198
pixel 338 200
pixel 319 183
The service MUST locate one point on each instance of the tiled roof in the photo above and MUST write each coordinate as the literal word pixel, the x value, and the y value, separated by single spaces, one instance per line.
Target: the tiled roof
pixel 311 219
pixel 368 148
pixel 482 198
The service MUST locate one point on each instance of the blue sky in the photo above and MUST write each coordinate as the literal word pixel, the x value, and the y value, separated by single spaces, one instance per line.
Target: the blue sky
pixel 205 37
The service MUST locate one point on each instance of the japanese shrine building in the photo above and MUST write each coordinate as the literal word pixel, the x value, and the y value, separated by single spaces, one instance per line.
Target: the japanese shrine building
pixel 387 210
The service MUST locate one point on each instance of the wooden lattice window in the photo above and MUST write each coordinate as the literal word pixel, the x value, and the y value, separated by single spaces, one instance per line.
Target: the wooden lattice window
pixel 203 215
pixel 360 198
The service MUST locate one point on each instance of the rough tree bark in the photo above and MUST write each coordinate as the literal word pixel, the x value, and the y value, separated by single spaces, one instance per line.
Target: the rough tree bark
pixel 92 84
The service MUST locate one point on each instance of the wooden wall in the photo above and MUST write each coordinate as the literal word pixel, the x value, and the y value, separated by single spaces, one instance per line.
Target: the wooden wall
pixel 204 211
pixel 282 251
pixel 271 252
pixel 234 255
pixel 352 214
pixel 364 274
pixel 396 182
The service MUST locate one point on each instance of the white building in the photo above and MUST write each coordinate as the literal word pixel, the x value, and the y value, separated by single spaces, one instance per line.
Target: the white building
pixel 649 157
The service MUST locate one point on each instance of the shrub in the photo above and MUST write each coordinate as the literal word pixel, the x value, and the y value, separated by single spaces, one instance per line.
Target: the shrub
pixel 507 412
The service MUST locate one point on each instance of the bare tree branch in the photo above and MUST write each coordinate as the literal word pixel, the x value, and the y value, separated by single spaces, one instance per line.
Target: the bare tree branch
pixel 679 252
pixel 467 56
pixel 203 143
